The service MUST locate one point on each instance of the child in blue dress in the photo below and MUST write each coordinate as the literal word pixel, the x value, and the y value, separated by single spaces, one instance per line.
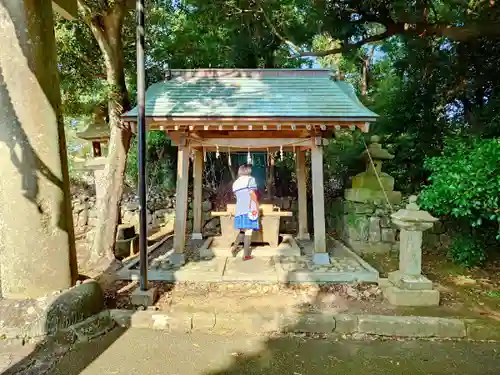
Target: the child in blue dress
pixel 246 218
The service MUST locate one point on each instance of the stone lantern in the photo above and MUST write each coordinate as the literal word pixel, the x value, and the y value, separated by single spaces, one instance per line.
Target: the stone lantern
pixel 98 133
pixel 408 287
pixel 366 186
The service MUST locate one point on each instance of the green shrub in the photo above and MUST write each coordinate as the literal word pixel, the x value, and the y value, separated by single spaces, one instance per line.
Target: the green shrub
pixel 465 182
pixel 467 251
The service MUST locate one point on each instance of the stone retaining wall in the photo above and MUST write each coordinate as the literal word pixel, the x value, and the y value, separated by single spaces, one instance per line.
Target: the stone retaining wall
pixel 367 227
pixel 161 209
pixel 85 212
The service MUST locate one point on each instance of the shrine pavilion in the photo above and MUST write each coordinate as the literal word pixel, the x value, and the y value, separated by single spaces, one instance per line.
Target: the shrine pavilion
pixel 230 110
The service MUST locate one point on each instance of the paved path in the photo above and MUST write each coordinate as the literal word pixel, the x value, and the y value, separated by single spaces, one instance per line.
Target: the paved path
pixel 149 352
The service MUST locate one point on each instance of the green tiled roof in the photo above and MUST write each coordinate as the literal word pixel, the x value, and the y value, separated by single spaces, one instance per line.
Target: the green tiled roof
pixel 265 93
pixel 94 131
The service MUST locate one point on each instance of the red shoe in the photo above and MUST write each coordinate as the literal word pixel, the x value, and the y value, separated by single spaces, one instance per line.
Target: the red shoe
pixel 247 257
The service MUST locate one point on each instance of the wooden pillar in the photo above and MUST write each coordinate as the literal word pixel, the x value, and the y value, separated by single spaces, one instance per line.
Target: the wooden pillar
pixel 181 206
pixel 303 233
pixel 320 254
pixel 197 196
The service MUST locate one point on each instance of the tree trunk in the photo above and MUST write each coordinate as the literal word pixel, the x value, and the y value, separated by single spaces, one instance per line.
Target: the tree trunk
pixel 107 30
pixel 364 78
pixel 365 71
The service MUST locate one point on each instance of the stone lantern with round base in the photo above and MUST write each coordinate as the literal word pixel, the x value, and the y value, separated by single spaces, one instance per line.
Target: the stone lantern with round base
pixel 408 287
pixel 98 133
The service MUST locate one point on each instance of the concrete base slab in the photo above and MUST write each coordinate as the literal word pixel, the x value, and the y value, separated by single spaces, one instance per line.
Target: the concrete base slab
pixel 144 297
pixel 403 297
pixel 339 270
pixel 288 246
pixel 196 236
pixel 205 270
pixel 217 265
pixel 409 282
pixel 340 250
pixel 177 258
pixel 254 270
pixel 321 258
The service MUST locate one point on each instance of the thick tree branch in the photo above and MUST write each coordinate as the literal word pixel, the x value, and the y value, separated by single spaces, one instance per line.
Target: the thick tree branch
pixel 353 46
pixel 456 33
pixel 275 31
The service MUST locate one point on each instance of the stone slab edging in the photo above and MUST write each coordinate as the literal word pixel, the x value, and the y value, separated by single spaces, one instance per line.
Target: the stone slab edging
pixel 254 323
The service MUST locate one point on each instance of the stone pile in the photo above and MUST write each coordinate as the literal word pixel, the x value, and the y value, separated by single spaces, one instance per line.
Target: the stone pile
pixel 161 211
pixel 362 217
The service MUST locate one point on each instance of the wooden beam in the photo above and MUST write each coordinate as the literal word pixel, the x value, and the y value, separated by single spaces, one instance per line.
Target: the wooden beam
pixel 252 124
pixel 202 134
pixel 283 121
pixel 251 142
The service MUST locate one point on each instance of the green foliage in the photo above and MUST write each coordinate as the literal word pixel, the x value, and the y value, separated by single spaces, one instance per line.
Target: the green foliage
pixel 342 161
pixel 467 251
pixel 161 162
pixel 465 181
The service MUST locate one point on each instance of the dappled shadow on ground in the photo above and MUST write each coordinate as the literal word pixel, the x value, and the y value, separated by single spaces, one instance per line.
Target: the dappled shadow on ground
pixel 151 352
pixel 465 292
pixel 49 353
pixel 305 356
pixel 61 313
pixel 278 353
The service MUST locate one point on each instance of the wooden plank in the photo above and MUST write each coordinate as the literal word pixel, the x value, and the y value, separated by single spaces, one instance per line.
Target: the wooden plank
pixel 134 259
